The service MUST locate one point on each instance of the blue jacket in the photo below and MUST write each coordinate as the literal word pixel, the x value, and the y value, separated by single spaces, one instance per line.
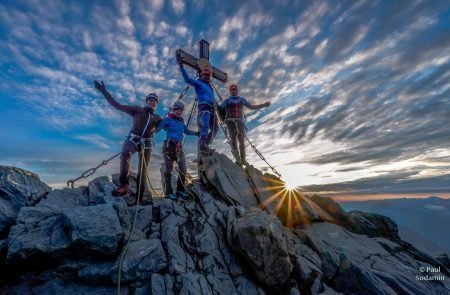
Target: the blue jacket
pixel 204 91
pixel 175 128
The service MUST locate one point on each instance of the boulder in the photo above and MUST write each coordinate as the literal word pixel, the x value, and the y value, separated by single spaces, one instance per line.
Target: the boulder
pixel 94 229
pixel 18 188
pixel 229 180
pixel 141 260
pixel 258 237
pixel 38 233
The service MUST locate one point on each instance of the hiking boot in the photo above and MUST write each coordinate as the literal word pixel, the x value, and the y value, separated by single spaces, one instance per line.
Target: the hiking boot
pixel 184 195
pixel 172 197
pixel 120 191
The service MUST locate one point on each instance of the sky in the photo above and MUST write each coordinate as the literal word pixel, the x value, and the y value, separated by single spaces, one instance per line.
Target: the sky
pixel 360 90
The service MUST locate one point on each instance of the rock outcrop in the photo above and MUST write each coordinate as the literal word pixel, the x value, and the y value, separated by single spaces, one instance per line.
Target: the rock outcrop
pixel 227 239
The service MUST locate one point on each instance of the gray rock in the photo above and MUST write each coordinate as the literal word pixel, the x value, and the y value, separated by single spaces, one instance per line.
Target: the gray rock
pixel 21 187
pixel 141 259
pixel 59 286
pixel 3 245
pixel 359 264
pixel 8 215
pixel 192 284
pixel 443 259
pixel 39 232
pixel 18 188
pixel 94 228
pixel 97 273
pixel 258 237
pixel 143 217
pixel 100 190
pixel 245 286
pixel 64 198
pixel 229 180
pixel 373 225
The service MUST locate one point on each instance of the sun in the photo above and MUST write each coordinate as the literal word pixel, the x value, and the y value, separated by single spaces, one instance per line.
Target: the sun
pixel 290 186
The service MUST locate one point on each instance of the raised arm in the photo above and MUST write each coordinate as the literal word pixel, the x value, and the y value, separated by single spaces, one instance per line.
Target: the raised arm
pixel 130 110
pixel 255 106
pixel 186 77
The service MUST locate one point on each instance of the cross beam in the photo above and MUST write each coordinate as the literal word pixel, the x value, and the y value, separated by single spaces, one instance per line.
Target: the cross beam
pixel 202 61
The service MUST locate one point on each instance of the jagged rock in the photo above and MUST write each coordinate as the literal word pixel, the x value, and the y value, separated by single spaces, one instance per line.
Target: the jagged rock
pixel 258 237
pixel 307 264
pixel 442 258
pixel 373 225
pixel 60 286
pixel 193 283
pixel 359 264
pixel 94 228
pixel 8 215
pixel 64 198
pixel 97 273
pixel 141 259
pixel 229 180
pixel 100 190
pixel 331 207
pixel 219 242
pixel 370 224
pixel 39 231
pixel 18 188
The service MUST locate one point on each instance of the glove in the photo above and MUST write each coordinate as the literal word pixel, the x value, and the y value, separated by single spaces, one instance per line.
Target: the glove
pixel 178 56
pixel 266 104
pixel 100 87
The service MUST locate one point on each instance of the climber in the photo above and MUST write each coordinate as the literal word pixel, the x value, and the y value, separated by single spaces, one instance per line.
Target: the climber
pixel 145 122
pixel 206 117
pixel 172 150
pixel 234 118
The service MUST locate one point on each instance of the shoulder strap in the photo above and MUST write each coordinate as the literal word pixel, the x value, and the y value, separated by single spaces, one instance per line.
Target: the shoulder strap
pixel 146 125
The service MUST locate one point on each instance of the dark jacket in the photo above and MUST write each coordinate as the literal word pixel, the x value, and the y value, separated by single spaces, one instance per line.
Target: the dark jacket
pixel 140 117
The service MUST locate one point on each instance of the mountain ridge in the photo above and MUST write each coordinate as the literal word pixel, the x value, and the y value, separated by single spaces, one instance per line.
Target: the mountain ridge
pixel 222 241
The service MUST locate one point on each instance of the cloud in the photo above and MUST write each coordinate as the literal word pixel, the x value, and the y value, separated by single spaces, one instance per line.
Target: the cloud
pixel 178 6
pixel 362 84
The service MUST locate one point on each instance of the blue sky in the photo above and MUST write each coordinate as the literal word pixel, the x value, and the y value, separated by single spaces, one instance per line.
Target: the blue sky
pixel 359 89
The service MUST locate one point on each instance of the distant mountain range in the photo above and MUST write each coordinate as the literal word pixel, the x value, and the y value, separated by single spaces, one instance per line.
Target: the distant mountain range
pixel 423 222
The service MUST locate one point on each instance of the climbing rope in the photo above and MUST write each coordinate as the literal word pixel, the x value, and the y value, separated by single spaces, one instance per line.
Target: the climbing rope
pixel 141 152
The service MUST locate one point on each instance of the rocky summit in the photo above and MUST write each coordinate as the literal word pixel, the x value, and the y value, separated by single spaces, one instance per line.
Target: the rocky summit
pixel 229 238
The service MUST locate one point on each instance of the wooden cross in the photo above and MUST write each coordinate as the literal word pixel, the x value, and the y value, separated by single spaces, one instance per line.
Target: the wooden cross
pixel 201 62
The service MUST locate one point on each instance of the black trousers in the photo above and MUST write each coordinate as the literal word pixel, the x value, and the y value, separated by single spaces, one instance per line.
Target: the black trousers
pixel 236 132
pixel 128 149
pixel 169 161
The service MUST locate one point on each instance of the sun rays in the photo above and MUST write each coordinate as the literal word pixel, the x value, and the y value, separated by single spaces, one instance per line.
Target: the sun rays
pixel 286 202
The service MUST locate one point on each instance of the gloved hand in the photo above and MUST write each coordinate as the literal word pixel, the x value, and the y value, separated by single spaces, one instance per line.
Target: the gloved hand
pixel 100 87
pixel 178 56
pixel 267 104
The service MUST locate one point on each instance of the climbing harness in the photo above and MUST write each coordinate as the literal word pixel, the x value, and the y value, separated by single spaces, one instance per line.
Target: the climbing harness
pixel 251 144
